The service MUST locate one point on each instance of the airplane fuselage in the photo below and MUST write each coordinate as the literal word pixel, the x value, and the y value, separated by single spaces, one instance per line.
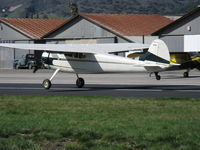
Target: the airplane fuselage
pixel 94 63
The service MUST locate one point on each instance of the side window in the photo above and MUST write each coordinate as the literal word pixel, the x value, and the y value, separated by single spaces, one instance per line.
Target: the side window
pixel 68 54
pixel 81 55
pixel 75 55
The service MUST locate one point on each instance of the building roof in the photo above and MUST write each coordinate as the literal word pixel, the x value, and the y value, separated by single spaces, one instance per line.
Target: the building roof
pixel 121 24
pixel 34 28
pixel 129 24
pixel 186 16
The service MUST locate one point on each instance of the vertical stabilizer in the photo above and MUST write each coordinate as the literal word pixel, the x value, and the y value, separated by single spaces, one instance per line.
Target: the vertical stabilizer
pixel 158 52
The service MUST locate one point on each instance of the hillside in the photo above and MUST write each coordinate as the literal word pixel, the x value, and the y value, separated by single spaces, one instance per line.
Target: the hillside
pixel 59 8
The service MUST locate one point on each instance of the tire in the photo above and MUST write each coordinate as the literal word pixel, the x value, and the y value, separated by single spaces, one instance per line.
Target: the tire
pixel 185 74
pixel 46 84
pixel 80 82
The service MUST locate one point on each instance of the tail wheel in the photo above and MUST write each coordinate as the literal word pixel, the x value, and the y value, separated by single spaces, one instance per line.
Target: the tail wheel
pixel 80 82
pixel 46 84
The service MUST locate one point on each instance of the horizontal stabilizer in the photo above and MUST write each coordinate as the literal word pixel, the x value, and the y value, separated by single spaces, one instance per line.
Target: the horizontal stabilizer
pixel 153 68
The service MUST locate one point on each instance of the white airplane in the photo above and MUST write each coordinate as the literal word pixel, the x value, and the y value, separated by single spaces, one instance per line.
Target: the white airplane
pixel 95 58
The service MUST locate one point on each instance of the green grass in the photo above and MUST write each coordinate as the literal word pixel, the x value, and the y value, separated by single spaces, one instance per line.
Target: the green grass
pixel 98 123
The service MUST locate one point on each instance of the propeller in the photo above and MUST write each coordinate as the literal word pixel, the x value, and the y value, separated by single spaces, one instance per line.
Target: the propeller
pixel 35 69
pixel 38 65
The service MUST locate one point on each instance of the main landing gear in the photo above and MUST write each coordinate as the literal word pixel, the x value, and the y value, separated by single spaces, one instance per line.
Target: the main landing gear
pixel 186 74
pixel 47 82
pixel 80 82
pixel 158 77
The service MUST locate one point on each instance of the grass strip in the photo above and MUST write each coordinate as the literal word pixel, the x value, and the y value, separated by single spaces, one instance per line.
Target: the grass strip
pixel 98 123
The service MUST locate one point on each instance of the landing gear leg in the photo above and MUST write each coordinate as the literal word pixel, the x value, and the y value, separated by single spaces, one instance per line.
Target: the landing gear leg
pixel 158 77
pixel 80 82
pixel 47 82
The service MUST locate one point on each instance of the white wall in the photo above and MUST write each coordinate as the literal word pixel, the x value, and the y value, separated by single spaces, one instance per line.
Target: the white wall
pixel 192 43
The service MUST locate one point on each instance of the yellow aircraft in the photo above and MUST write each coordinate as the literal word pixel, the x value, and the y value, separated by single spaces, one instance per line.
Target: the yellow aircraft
pixel 186 61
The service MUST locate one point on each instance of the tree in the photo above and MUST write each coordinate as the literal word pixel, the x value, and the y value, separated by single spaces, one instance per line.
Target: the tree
pixel 73 9
pixel 30 10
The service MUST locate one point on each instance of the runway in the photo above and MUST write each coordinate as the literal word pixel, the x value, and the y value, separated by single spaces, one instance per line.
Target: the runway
pixel 137 91
pixel 138 85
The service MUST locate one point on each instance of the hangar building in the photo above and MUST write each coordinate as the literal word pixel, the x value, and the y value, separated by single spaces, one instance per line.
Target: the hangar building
pixel 23 31
pixel 182 35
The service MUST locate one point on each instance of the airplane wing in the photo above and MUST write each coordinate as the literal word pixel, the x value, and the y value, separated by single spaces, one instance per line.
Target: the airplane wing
pixel 79 48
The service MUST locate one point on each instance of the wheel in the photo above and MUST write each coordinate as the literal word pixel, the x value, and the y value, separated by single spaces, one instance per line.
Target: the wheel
pixel 80 82
pixel 158 77
pixel 46 84
pixel 186 74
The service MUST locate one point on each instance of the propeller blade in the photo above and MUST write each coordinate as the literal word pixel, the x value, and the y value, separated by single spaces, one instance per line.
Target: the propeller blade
pixel 35 69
